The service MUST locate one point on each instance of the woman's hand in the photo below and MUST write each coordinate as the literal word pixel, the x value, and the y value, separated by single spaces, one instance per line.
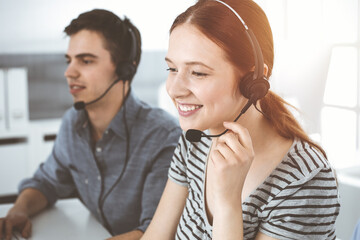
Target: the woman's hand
pixel 230 160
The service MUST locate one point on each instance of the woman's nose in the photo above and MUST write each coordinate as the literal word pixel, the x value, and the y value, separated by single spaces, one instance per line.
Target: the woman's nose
pixel 176 85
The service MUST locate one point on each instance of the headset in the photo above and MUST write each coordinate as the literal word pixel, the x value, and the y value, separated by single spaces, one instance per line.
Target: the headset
pixel 125 71
pixel 253 86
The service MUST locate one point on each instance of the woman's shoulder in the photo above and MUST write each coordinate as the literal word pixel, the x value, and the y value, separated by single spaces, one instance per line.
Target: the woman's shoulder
pixel 305 160
pixel 303 166
pixel 302 188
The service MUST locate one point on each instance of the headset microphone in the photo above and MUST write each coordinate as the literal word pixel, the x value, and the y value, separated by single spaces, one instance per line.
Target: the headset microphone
pixel 81 104
pixel 193 135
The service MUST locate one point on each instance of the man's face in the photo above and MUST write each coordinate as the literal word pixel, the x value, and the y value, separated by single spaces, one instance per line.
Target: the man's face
pixel 90 68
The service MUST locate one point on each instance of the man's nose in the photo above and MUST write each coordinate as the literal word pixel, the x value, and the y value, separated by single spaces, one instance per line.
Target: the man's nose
pixel 71 71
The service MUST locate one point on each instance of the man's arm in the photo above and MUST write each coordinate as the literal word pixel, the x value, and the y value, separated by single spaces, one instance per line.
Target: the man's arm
pixel 29 202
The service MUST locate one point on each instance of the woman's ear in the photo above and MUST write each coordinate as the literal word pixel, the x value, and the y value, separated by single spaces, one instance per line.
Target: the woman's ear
pixel 266 69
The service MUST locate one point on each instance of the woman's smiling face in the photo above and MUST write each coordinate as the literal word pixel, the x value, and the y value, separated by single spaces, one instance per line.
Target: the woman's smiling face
pixel 202 83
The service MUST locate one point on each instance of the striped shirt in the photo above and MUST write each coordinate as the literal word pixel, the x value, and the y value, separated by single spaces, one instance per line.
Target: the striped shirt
pixel 298 200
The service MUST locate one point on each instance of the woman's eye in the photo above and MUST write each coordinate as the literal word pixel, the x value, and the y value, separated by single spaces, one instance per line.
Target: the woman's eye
pixel 171 69
pixel 199 74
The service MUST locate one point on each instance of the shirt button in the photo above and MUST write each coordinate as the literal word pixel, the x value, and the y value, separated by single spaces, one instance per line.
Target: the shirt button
pixel 99 178
pixel 106 131
pixel 98 149
pixel 86 181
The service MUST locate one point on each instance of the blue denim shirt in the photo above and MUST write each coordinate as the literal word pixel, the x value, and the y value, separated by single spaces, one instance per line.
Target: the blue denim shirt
pixel 75 166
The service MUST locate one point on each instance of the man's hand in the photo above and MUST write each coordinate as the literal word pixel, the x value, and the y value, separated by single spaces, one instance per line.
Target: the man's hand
pixel 29 202
pixel 15 221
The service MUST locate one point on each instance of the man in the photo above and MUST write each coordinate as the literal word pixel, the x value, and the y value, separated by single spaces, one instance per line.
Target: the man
pixel 114 150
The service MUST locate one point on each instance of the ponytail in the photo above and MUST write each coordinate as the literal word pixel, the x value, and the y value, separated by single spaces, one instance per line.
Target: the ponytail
pixel 284 122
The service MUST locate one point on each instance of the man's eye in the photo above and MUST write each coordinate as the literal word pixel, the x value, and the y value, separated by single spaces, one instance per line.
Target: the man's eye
pixel 87 61
pixel 171 69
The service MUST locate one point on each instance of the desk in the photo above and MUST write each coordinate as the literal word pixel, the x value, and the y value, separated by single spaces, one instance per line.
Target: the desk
pixel 349 191
pixel 69 219
pixel 356 233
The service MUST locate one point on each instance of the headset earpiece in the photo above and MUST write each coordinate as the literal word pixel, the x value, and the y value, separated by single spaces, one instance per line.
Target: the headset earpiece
pixel 127 69
pixel 250 87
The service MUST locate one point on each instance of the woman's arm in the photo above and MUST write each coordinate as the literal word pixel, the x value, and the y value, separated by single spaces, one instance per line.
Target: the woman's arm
pixel 261 236
pixel 132 235
pixel 168 213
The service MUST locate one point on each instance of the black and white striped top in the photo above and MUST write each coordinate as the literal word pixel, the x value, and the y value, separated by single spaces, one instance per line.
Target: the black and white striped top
pixel 299 200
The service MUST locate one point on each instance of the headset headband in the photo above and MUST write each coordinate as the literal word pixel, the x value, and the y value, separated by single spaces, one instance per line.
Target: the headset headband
pixel 259 60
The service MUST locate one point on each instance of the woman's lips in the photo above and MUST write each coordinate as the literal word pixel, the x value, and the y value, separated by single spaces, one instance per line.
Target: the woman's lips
pixel 186 110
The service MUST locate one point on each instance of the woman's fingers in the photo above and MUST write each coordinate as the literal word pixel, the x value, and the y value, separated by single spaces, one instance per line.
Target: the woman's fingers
pixel 241 132
pixel 236 144
pixel 229 146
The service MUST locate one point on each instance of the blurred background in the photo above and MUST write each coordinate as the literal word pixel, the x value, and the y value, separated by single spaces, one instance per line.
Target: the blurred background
pixel 316 69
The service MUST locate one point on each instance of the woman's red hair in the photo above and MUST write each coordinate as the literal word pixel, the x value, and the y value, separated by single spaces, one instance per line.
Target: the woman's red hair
pixel 220 25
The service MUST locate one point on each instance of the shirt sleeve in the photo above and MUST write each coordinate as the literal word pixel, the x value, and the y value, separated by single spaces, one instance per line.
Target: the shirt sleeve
pixel 52 178
pixel 305 209
pixel 177 170
pixel 157 177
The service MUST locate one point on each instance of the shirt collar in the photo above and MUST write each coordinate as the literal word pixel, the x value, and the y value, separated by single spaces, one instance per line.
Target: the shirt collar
pixel 81 120
pixel 133 106
pixel 117 125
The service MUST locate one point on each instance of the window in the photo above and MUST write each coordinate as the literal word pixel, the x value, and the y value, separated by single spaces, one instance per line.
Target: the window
pixel 317 64
pixel 340 115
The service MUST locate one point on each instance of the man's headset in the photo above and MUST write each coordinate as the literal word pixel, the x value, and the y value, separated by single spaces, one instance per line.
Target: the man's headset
pixel 254 85
pixel 125 70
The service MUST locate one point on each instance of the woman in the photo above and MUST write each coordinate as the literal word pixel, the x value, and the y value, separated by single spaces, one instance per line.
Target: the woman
pixel 264 178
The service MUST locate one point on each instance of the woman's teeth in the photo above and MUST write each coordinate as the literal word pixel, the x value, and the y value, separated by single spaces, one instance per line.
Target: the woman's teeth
pixel 188 108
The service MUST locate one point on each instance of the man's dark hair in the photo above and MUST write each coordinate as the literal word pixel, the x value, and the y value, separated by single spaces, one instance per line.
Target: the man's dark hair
pixel 118 40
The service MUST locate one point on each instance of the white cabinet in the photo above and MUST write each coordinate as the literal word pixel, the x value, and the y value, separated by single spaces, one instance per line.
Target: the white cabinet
pixel 17 98
pixel 14 110
pixel 13 166
pixel 23 144
pixel 14 118
pixel 2 102
pixel 21 156
pixel 41 140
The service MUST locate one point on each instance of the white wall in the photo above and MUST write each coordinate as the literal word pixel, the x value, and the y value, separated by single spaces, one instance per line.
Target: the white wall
pixel 36 26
